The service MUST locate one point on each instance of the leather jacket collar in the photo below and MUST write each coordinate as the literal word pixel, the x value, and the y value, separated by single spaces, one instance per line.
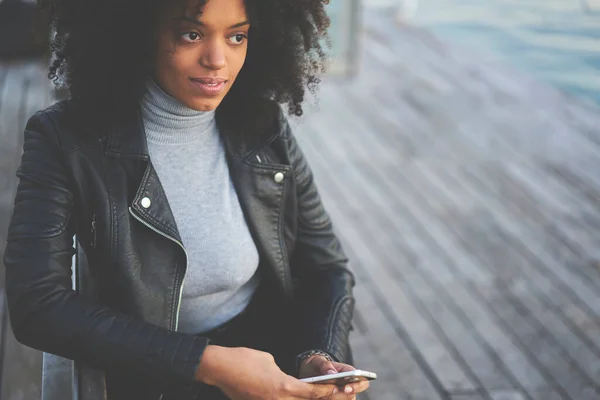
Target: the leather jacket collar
pixel 128 140
pixel 250 174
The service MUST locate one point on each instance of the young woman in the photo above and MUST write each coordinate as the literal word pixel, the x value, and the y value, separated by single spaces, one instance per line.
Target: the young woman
pixel 217 269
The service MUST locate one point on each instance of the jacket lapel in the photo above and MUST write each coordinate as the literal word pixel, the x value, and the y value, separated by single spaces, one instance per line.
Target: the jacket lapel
pixel 149 205
pixel 262 199
pixel 262 195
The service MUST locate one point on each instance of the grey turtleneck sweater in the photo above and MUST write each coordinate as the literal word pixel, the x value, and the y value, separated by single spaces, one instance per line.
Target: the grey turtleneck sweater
pixel 187 153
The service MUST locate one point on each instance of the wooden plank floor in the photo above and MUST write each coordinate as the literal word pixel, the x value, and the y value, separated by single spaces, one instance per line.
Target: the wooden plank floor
pixel 468 198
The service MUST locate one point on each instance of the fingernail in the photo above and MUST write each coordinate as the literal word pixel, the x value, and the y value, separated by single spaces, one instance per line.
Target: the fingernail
pixel 331 371
pixel 348 389
pixel 335 390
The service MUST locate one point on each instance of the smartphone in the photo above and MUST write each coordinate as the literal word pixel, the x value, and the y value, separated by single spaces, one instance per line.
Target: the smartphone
pixel 342 378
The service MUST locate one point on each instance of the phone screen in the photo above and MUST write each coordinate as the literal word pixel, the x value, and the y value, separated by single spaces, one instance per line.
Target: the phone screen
pixel 342 378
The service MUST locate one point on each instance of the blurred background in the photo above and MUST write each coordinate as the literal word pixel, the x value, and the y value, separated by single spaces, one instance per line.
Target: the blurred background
pixel 456 144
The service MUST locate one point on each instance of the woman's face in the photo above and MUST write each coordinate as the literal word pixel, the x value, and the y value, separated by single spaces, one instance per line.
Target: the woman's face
pixel 199 56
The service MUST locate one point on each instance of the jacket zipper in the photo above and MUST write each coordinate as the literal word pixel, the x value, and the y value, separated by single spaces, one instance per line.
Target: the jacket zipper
pixel 93 231
pixel 178 306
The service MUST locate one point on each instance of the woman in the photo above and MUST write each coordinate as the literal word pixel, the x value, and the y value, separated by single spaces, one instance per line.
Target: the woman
pixel 217 269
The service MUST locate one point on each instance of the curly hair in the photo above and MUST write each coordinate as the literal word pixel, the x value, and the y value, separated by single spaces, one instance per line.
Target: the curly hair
pixel 101 52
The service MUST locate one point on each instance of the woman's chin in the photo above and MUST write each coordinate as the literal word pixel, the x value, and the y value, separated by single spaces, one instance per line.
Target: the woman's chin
pixel 204 104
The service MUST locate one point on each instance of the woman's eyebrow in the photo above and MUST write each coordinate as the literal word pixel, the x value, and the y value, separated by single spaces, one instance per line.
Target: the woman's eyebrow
pixel 200 23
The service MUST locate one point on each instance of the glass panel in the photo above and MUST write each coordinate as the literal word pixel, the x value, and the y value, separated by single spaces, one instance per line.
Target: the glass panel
pixel 343 14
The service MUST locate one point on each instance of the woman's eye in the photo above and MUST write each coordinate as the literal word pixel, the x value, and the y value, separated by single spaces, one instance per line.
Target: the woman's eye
pixel 238 38
pixel 190 36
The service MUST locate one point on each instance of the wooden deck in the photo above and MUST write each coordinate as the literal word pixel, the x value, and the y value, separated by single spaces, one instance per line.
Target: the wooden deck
pixel 468 198
pixel 23 91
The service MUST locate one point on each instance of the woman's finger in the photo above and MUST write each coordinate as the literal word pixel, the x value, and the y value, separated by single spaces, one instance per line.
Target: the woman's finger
pixel 326 367
pixel 358 387
pixel 312 391
pixel 343 396
pixel 343 367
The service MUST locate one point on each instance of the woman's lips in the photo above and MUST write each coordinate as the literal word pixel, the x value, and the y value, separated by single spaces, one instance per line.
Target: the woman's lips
pixel 209 86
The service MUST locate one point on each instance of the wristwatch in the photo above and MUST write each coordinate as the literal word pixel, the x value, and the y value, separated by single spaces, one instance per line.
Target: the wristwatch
pixel 307 354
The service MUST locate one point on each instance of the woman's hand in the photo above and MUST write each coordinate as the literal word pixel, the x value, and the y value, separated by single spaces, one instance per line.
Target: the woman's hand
pixel 319 365
pixel 247 374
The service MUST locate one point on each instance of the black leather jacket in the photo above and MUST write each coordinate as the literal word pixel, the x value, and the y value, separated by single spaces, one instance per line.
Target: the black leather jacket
pixel 94 188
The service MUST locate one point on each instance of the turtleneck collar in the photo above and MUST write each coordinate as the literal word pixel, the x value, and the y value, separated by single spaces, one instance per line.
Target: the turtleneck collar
pixel 167 121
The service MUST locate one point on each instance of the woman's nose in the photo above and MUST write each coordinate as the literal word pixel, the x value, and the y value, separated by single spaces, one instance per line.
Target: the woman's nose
pixel 213 56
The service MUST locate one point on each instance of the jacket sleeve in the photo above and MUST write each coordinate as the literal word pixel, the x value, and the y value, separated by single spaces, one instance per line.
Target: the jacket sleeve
pixel 323 291
pixel 45 312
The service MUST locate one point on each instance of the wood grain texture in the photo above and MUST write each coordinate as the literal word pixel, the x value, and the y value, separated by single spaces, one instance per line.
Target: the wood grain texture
pixel 468 195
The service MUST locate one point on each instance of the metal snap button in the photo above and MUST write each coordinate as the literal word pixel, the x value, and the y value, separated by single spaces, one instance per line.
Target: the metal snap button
pixel 145 202
pixel 278 177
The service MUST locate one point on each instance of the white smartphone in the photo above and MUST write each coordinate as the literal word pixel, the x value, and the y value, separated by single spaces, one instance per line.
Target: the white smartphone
pixel 342 378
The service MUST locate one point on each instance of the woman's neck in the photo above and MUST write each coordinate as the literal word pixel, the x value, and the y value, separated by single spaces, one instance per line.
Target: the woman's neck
pixel 166 120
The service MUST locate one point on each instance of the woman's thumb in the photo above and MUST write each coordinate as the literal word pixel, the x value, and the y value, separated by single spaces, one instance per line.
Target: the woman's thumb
pixel 327 368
